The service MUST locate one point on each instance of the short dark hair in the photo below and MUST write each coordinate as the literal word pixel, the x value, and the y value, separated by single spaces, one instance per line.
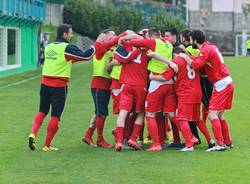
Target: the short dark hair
pixel 154 32
pixel 64 28
pixel 173 31
pixel 178 50
pixel 186 34
pixel 198 35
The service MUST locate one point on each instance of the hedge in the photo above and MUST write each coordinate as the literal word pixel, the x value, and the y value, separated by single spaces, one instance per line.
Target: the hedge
pixel 89 19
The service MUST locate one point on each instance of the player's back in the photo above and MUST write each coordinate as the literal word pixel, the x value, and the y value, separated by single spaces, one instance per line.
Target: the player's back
pixel 134 68
pixel 135 72
pixel 214 67
pixel 187 83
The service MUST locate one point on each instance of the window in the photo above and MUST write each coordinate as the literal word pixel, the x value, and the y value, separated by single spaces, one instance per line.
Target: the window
pixel 9 48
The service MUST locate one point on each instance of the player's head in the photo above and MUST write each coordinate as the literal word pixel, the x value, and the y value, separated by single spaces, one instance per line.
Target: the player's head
pixel 197 37
pixel 172 33
pixel 109 34
pixel 177 50
pixel 153 33
pixel 142 32
pixel 185 37
pixel 65 32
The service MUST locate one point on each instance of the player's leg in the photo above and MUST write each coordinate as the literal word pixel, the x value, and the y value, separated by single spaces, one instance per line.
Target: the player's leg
pixel 58 98
pixel 92 124
pixel 139 96
pixel 39 118
pixel 89 133
pixel 125 106
pixel 136 131
pixel 119 131
pixel 102 101
pixel 225 130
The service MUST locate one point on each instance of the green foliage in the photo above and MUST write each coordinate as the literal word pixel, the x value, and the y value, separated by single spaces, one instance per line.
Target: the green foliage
pixel 90 19
pixel 165 20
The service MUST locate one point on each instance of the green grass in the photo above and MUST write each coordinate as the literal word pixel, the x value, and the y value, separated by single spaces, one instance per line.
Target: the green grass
pixel 78 163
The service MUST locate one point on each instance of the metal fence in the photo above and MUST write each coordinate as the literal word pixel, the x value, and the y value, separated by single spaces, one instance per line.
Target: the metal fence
pixel 32 9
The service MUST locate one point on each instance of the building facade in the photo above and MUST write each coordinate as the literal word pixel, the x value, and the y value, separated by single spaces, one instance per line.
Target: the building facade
pixel 20 21
pixel 223 20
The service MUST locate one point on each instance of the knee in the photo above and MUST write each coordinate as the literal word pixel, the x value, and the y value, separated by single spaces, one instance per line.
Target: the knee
pixel 212 115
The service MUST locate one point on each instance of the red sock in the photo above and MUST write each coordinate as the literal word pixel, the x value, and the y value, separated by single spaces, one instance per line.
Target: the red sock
pixel 119 131
pixel 204 113
pixel 186 132
pixel 225 131
pixel 175 130
pixel 141 133
pixel 136 132
pixel 51 130
pixel 153 130
pixel 129 126
pixel 217 130
pixel 38 120
pixel 203 128
pixel 89 133
pixel 100 120
pixel 161 129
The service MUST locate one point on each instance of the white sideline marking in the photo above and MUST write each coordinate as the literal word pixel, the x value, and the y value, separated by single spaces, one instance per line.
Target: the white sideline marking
pixel 20 82
pixel 40 75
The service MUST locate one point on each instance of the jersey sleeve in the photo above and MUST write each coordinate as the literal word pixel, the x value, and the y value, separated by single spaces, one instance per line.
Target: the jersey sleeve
pixel 199 62
pixel 74 54
pixel 103 47
pixel 124 56
pixel 168 74
pixel 146 43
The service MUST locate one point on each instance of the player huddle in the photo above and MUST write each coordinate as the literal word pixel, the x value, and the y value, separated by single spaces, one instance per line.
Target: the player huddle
pixel 152 79
pixel 157 79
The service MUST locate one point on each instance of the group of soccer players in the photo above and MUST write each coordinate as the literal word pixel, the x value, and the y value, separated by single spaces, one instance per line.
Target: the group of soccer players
pixel 153 79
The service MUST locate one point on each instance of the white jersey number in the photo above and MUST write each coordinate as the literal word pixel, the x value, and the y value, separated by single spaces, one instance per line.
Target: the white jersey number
pixel 190 72
pixel 138 59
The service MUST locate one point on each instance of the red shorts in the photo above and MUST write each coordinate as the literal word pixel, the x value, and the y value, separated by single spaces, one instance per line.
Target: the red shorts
pixel 222 100
pixel 116 99
pixel 188 112
pixel 132 98
pixel 162 99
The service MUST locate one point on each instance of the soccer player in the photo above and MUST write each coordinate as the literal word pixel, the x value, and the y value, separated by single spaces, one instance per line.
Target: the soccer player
pixel 56 72
pixel 172 33
pixel 248 47
pixel 161 95
pixel 206 86
pixel 100 88
pixel 213 64
pixel 188 91
pixel 134 77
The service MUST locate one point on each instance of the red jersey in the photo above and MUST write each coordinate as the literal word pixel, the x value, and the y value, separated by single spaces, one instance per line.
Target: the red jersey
pixel 100 49
pixel 134 66
pixel 146 43
pixel 212 61
pixel 187 84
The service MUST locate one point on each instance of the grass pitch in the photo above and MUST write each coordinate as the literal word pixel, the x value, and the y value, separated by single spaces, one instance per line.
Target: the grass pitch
pixel 78 163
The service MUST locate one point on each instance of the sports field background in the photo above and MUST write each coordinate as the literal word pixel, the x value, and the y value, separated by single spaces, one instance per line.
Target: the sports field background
pixel 78 163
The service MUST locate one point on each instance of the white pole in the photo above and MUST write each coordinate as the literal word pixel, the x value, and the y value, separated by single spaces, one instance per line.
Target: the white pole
pixel 187 13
